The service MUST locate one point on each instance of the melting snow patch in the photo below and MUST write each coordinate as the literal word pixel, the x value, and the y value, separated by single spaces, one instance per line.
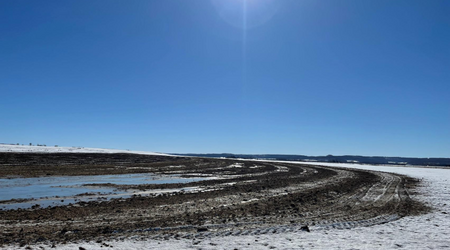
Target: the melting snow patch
pixel 236 165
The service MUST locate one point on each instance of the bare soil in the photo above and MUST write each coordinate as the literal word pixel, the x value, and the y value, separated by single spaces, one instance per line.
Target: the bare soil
pixel 246 195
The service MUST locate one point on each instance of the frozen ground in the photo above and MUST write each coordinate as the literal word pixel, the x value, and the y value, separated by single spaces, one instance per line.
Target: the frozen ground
pixel 45 149
pixel 429 231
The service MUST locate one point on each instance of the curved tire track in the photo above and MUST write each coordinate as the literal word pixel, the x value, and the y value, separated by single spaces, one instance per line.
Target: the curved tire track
pixel 247 198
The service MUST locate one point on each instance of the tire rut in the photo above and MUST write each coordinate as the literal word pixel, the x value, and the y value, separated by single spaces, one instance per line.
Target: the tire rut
pixel 247 198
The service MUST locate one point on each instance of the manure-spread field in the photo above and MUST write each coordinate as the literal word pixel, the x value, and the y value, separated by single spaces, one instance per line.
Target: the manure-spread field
pixel 233 197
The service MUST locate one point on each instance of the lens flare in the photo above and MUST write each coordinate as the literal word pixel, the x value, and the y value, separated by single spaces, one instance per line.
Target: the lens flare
pixel 245 15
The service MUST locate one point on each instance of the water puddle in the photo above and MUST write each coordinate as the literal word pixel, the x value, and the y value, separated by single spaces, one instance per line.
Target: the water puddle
pixel 55 191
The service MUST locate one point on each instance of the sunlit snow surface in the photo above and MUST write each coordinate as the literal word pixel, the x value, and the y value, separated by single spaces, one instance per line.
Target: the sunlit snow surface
pixel 429 231
pixel 42 149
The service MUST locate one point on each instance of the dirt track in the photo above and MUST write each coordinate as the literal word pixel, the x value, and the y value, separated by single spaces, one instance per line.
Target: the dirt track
pixel 248 197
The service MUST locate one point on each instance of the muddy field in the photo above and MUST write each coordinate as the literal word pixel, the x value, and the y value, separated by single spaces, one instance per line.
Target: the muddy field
pixel 244 197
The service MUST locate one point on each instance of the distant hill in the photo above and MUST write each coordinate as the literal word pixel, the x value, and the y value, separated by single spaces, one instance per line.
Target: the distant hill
pixel 338 159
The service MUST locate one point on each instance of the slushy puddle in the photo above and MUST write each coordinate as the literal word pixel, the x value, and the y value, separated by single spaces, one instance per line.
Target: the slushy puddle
pixel 54 191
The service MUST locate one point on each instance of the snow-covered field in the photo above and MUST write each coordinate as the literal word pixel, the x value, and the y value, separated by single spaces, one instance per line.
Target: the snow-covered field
pixel 45 149
pixel 429 231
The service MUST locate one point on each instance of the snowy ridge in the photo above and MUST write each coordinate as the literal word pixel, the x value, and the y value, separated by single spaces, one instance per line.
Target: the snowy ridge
pixel 45 149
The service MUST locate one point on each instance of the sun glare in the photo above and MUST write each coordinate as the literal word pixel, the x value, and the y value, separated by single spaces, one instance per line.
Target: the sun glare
pixel 246 14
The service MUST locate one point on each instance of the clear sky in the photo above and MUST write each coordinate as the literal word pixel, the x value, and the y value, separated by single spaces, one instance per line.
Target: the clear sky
pixel 239 76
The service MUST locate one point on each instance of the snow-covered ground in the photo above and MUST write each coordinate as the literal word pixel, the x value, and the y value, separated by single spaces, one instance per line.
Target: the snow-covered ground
pixel 45 149
pixel 429 231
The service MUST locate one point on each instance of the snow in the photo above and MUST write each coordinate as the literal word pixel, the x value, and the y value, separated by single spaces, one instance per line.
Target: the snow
pixel 429 231
pixel 45 149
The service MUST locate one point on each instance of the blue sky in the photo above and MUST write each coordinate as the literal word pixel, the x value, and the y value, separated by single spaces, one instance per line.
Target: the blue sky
pixel 284 76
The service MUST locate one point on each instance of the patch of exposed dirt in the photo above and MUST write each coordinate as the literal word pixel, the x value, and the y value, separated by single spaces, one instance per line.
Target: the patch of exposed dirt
pixel 246 195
